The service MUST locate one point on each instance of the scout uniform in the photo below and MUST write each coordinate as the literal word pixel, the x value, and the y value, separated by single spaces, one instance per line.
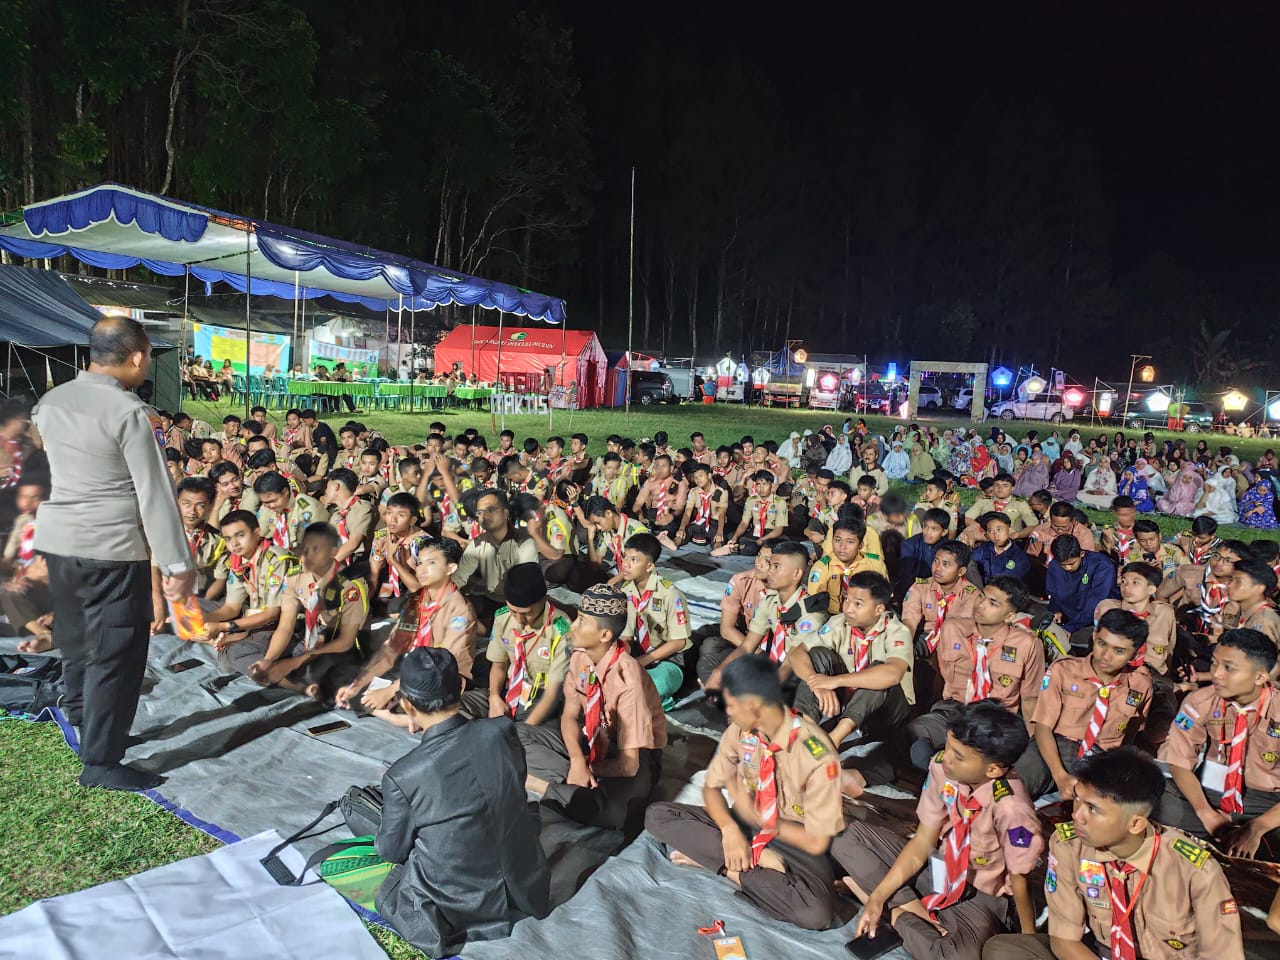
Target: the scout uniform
pixel 930 607
pixel 285 530
pixel 784 624
pixel 830 575
pixel 966 884
pixel 413 544
pixel 447 621
pixel 1204 596
pixel 1018 511
pixel 1244 782
pixel 762 516
pixel 350 459
pixel 663 496
pixel 620 710
pixel 376 479
pixel 701 508
pixel 1179 906
pixel 391 491
pixel 253 585
pixel 838 648
pixel 1085 716
pixel 871 548
pixel 488 562
pixel 609 546
pixel 804 772
pixel 353 520
pixel 1162 632
pixel 538 657
pixel 209 550
pixel 325 612
pixel 1007 667
pixel 743 593
pixel 1042 538
pixel 1167 559
pixel 558 527
pixel 1263 618
pixel 615 490
pixel 924 506
pixel 656 614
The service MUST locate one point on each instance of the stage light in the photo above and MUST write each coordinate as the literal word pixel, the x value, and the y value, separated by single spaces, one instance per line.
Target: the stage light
pixel 1034 385
pixel 1073 396
pixel 1235 401
pixel 1001 376
pixel 828 382
pixel 1273 411
pixel 891 373
pixel 1158 401
pixel 855 375
pixel 1147 373
pixel 1105 401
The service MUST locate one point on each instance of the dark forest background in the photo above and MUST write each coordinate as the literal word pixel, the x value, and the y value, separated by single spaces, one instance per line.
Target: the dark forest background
pixel 1061 185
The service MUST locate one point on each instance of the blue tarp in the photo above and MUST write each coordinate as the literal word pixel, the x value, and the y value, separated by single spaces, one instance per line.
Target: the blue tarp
pixel 783 364
pixel 39 309
pixel 115 227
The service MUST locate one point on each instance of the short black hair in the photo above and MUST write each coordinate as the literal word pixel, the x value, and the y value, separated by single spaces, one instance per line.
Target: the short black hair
pixel 259 459
pixel 326 530
pixel 875 584
pixel 559 440
pixel 599 506
pixel 1256 570
pixel 1254 644
pixel 406 501
pixel 1002 478
pixel 761 475
pixel 753 676
pixel 841 485
pixel 791 548
pixel 1015 591
pixel 1238 547
pixel 1145 525
pixel 851 525
pixel 958 549
pixel 248 518
pixel 582 438
pixel 345 477
pixel 988 727
pixel 1122 503
pixel 1062 509
pixel 449 548
pixel 866 480
pixel 994 516
pixel 253 410
pixel 1204 526
pixel 113 340
pixel 1065 547
pixel 645 543
pixel 1126 775
pixel 937 515
pixel 1125 624
pixel 220 470
pixel 1145 570
pixel 270 483
pixel 893 502
pixel 251 427
pixel 196 485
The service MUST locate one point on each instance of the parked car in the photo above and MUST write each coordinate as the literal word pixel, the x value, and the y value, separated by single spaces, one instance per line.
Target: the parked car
pixel 867 398
pixel 1040 406
pixel 929 398
pixel 648 388
pixel 1197 419
pixel 964 399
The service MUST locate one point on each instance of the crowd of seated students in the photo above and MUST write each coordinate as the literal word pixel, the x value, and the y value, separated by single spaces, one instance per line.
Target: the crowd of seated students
pixel 999 653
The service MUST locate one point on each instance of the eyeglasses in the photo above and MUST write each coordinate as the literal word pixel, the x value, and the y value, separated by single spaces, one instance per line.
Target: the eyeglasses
pixel 484 511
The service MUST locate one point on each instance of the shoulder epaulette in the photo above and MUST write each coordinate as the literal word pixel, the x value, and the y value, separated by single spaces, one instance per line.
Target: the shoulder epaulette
pixel 1001 789
pixel 1191 851
pixel 923 579
pixel 664 582
pixel 938 756
pixel 501 611
pixel 1065 831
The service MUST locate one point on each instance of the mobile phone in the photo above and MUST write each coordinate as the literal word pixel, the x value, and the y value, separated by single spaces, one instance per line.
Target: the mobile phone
pixel 330 727
pixel 182 665
pixel 867 948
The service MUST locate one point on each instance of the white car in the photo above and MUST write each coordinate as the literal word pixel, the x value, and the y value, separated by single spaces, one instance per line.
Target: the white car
pixel 1037 407
pixel 930 398
pixel 964 399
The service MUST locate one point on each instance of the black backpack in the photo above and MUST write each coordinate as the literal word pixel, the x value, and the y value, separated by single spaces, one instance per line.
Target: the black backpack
pixel 28 684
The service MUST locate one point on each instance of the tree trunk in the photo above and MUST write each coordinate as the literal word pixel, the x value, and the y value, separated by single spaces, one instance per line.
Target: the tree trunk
pixel 28 139
pixel 693 312
pixel 718 329
pixel 646 269
pixel 180 58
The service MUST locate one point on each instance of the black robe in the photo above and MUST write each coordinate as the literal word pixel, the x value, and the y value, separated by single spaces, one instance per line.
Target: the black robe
pixel 455 815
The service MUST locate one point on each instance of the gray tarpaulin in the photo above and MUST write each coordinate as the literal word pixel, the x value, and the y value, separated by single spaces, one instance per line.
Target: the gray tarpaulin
pixel 220 906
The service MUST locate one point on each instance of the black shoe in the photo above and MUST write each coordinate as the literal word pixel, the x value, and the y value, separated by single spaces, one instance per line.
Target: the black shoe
pixel 119 777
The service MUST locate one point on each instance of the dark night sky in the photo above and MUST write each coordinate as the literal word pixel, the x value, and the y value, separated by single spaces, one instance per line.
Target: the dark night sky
pixel 1178 100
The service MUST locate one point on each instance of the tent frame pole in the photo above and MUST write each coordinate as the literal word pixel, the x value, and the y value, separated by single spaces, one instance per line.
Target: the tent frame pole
pixel 248 323
pixel 631 288
pixel 182 332
pixel 497 377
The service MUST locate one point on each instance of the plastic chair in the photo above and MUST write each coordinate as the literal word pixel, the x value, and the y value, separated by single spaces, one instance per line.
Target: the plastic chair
pixel 238 388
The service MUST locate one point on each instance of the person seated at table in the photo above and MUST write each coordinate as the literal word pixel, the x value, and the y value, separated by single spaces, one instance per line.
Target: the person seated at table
pixel 602 763
pixel 456 821
pixel 315 647
pixel 770 838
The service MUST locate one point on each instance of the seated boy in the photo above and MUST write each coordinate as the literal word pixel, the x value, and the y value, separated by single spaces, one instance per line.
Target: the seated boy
pixel 603 762
pixel 915 557
pixel 1077 581
pixel 1119 540
pixel 764 519
pixel 1135 888
pixel 24 589
pixel 333 610
pixel 351 516
pixel 943 597
pixel 285 514
pixel 935 498
pixel 702 521
pixel 1249 593
pixel 999 555
pixel 657 617
pixel 1000 499
pixel 746 589
pixel 608 530
pixel 830 573
pixel 195 497
pixel 1223 754
pixel 1150 548
pixel 770 838
pixel 1088 704
pixel 395 553
pixel 947 889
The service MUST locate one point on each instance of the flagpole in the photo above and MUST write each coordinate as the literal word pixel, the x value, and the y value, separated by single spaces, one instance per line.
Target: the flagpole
pixel 631 288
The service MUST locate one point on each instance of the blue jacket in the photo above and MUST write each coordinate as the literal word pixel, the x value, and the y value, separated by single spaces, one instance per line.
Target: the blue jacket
pixel 915 560
pixel 1012 563
pixel 1075 595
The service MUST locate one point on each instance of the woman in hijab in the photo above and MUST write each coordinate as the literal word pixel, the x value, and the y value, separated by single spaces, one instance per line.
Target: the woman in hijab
pixel 922 465
pixel 1004 458
pixel 793 450
pixel 897 464
pixel 959 461
pixel 1218 499
pixel 1133 484
pixel 1258 506
pixel 1034 476
pixel 1073 444
pixel 1051 446
pixel 1066 480
pixel 1184 492
pixel 840 459
pixel 1100 490
pixel 981 464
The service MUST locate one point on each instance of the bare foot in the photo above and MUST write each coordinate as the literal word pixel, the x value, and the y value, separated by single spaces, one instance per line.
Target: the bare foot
pixel 312 690
pixel 724 551
pixel 683 859
pixel 37 644
pixel 667 542
pixel 852 784
pixel 535 784
pixel 855 889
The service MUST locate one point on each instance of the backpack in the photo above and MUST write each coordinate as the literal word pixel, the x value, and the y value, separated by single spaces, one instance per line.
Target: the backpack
pixel 29 684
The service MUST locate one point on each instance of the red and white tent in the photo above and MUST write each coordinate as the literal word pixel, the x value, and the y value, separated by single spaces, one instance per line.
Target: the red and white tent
pixel 532 359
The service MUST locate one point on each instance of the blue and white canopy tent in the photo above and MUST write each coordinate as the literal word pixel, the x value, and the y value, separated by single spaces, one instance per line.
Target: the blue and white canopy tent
pixel 115 227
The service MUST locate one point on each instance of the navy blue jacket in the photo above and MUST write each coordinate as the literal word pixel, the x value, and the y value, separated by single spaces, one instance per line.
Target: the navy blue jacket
pixel 1077 594
pixel 1014 562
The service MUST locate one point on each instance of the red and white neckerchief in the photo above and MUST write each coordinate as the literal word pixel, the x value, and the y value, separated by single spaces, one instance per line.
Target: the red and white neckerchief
pixel 640 603
pixel 999 506
pixel 1213 597
pixel 593 711
pixel 778 645
pixel 1101 704
pixel 1200 554
pixel 619 539
pixel 518 678
pixel 845 578
pixel 427 609
pixel 943 601
pixel 1233 785
pixel 1125 539
pixel 766 796
pixel 280 531
pixel 860 643
pixel 979 685
pixel 393 575
pixel 15 464
pixel 553 467
pixel 762 518
pixel 1121 939
pixel 247 570
pixel 660 498
pixel 1140 656
pixel 195 540
pixel 352 460
pixel 27 545
pixel 956 855
pixel 702 510
pixel 341 524
pixel 311 607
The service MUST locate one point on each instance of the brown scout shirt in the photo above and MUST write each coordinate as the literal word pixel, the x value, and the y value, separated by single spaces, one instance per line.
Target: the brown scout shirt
pixel 775 515
pixel 452 628
pixel 743 594
pixel 546 652
pixel 1015 661
pixel 807 773
pixel 1264 619
pixel 1162 631
pixel 633 717
pixel 802 618
pixel 1207 720
pixel 354 521
pixel 259 583
pixel 666 616
pixel 920 606
pixel 1184 911
pixel 343 603
pixel 1067 698
pixel 1018 511
pixel 1042 538
pixel 1004 835
pixel 890 639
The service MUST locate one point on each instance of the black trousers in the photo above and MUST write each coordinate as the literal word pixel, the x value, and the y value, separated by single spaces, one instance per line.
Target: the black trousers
pixel 101 618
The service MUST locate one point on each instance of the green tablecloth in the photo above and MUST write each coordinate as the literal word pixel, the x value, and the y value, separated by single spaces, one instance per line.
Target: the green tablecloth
pixel 473 393
pixel 330 388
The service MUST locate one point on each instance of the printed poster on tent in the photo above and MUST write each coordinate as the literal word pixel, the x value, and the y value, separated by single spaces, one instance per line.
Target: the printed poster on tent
pixel 225 343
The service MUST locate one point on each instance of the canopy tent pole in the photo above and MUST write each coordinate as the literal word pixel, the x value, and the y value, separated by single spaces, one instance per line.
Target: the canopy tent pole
pixel 295 312
pixel 631 289
pixel 182 333
pixel 474 372
pixel 248 324
pixel 395 364
pixel 400 324
pixel 497 379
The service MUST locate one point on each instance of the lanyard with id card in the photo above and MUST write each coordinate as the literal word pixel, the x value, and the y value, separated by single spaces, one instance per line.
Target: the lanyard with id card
pixel 1213 776
pixel 938 873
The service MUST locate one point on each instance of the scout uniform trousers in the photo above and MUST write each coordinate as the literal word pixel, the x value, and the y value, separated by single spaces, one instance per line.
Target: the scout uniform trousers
pixel 1021 946
pixel 1173 810
pixel 1034 772
pixel 889 707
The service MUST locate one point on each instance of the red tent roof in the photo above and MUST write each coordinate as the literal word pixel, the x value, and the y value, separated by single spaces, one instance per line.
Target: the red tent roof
pixel 527 350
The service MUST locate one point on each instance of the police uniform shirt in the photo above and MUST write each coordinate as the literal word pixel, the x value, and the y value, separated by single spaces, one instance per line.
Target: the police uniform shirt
pixel 1184 911
pixel 921 605
pixel 1015 660
pixel 775 515
pixel 209 549
pixel 632 709
pixel 303 511
pixel 1067 698
pixel 1162 631
pixel 830 575
pixel 666 616
pixel 1018 511
pixel 259 583
pixel 807 773
pixel 801 616
pixel 1206 720
pixel 743 595
pixel 1004 835
pixel 452 628
pixel 890 639
pixel 546 652
pixel 342 603
pixel 489 562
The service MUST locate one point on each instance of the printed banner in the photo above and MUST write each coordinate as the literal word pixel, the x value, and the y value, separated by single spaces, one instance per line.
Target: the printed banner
pixel 226 343
pixel 360 362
